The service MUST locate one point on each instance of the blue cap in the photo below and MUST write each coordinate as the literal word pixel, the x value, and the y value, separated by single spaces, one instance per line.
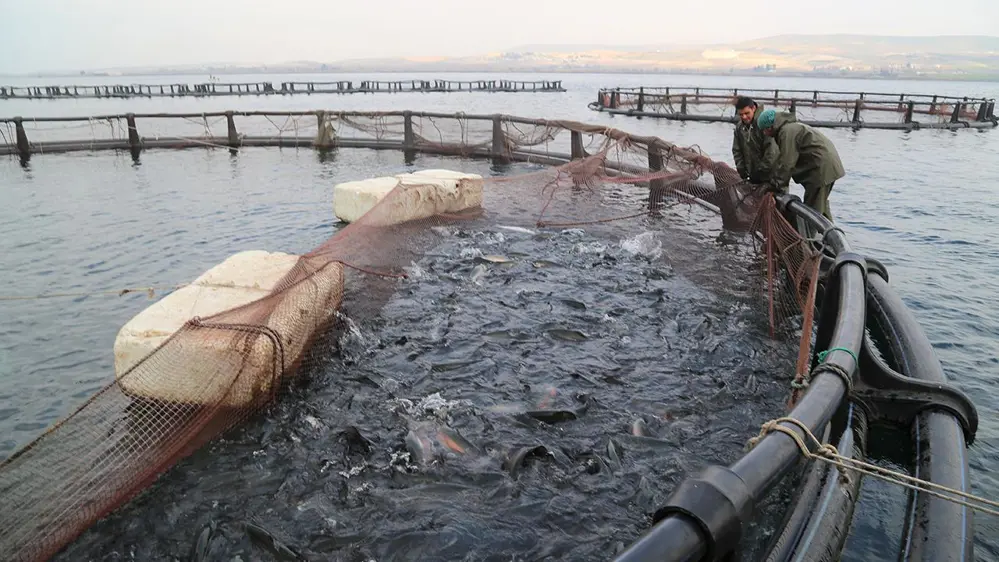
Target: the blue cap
pixel 766 119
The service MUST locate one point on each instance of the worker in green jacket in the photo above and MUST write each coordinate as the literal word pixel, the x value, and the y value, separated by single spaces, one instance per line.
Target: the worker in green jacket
pixel 754 153
pixel 806 155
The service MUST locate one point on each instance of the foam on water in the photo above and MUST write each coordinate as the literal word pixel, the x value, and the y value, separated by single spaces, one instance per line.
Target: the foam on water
pixel 645 244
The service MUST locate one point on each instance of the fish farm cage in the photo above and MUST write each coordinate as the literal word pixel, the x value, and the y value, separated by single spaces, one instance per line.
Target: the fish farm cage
pixel 862 358
pixel 818 108
pixel 217 89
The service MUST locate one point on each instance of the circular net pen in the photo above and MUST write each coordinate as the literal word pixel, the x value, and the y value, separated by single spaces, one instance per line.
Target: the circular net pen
pixel 818 108
pixel 604 322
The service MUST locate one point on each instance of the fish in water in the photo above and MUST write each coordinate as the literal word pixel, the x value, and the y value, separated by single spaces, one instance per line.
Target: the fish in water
pixel 478 272
pixel 509 335
pixel 201 550
pixel 267 541
pixel 428 442
pixel 455 441
pixel 517 229
pixel 552 416
pixel 574 304
pixel 420 448
pixel 494 259
pixel 640 429
pixel 567 335
pixel 517 458
pixel 614 454
pixel 355 441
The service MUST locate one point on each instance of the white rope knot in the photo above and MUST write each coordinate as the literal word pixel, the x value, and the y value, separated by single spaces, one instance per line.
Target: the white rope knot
pixel 764 430
pixel 828 453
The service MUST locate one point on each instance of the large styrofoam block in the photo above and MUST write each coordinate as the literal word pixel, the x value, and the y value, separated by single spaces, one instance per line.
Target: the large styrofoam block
pixel 200 365
pixel 354 198
pixel 422 194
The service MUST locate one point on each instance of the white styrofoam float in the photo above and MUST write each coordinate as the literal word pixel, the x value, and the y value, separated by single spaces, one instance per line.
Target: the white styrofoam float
pixel 423 194
pixel 199 367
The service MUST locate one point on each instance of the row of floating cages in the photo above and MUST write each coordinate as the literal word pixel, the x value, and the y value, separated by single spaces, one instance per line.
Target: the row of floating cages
pixel 261 88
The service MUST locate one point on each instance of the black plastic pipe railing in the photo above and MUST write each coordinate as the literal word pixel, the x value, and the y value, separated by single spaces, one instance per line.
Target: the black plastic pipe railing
pixel 936 529
pixel 799 513
pixel 825 534
pixel 678 537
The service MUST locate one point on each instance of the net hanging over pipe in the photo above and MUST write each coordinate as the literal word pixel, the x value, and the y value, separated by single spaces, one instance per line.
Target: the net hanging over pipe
pixel 216 371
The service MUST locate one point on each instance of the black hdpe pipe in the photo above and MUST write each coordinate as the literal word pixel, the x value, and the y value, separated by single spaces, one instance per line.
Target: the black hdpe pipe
pixel 936 529
pixel 818 524
pixel 798 514
pixel 705 516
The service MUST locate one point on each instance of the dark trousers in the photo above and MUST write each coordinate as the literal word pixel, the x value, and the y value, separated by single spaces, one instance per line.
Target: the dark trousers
pixel 818 199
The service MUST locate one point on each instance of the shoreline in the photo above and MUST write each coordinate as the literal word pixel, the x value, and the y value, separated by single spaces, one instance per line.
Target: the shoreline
pixel 491 71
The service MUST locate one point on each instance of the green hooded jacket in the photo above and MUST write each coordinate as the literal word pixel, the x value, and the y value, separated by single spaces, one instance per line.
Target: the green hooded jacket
pixel 806 155
pixel 754 153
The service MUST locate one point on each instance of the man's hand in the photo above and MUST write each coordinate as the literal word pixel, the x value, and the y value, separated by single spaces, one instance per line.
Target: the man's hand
pixel 773 188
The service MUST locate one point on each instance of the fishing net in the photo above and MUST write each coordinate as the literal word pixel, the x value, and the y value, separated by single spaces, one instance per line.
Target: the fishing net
pixel 218 369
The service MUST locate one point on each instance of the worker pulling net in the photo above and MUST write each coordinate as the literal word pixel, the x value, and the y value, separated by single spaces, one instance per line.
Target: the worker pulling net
pixel 178 387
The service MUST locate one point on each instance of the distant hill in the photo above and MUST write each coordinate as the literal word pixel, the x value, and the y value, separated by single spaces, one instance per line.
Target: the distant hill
pixel 866 53
pixel 943 57
pixel 852 55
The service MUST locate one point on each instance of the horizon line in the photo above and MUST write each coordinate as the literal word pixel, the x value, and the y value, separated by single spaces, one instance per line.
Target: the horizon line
pixel 161 67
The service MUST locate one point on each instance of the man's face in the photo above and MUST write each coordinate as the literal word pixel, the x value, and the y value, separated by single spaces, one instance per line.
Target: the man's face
pixel 769 131
pixel 746 114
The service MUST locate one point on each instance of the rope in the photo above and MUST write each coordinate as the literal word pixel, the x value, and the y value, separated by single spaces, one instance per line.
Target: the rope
pixel 151 291
pixel 822 354
pixel 829 454
pixel 543 224
pixel 801 381
pixel 120 292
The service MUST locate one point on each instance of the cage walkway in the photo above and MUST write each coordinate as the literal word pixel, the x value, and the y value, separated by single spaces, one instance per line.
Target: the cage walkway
pixel 213 89
pixel 818 108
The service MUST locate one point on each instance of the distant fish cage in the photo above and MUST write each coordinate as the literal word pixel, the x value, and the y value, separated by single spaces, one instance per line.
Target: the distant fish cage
pixel 818 108
pixel 213 89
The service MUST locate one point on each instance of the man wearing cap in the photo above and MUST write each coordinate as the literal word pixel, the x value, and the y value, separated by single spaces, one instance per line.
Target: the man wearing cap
pixel 806 156
pixel 754 153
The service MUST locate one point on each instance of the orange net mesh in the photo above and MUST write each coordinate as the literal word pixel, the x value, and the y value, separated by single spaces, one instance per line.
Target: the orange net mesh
pixel 215 371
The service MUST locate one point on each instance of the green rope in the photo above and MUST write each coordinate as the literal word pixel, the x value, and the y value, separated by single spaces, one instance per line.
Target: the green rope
pixel 801 383
pixel 823 354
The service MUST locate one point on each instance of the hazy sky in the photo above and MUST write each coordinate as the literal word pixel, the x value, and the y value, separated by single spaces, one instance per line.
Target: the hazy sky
pixel 47 35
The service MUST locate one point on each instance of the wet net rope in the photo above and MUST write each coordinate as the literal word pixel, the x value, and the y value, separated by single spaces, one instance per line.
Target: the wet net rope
pixel 827 453
pixel 216 371
pixel 150 292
